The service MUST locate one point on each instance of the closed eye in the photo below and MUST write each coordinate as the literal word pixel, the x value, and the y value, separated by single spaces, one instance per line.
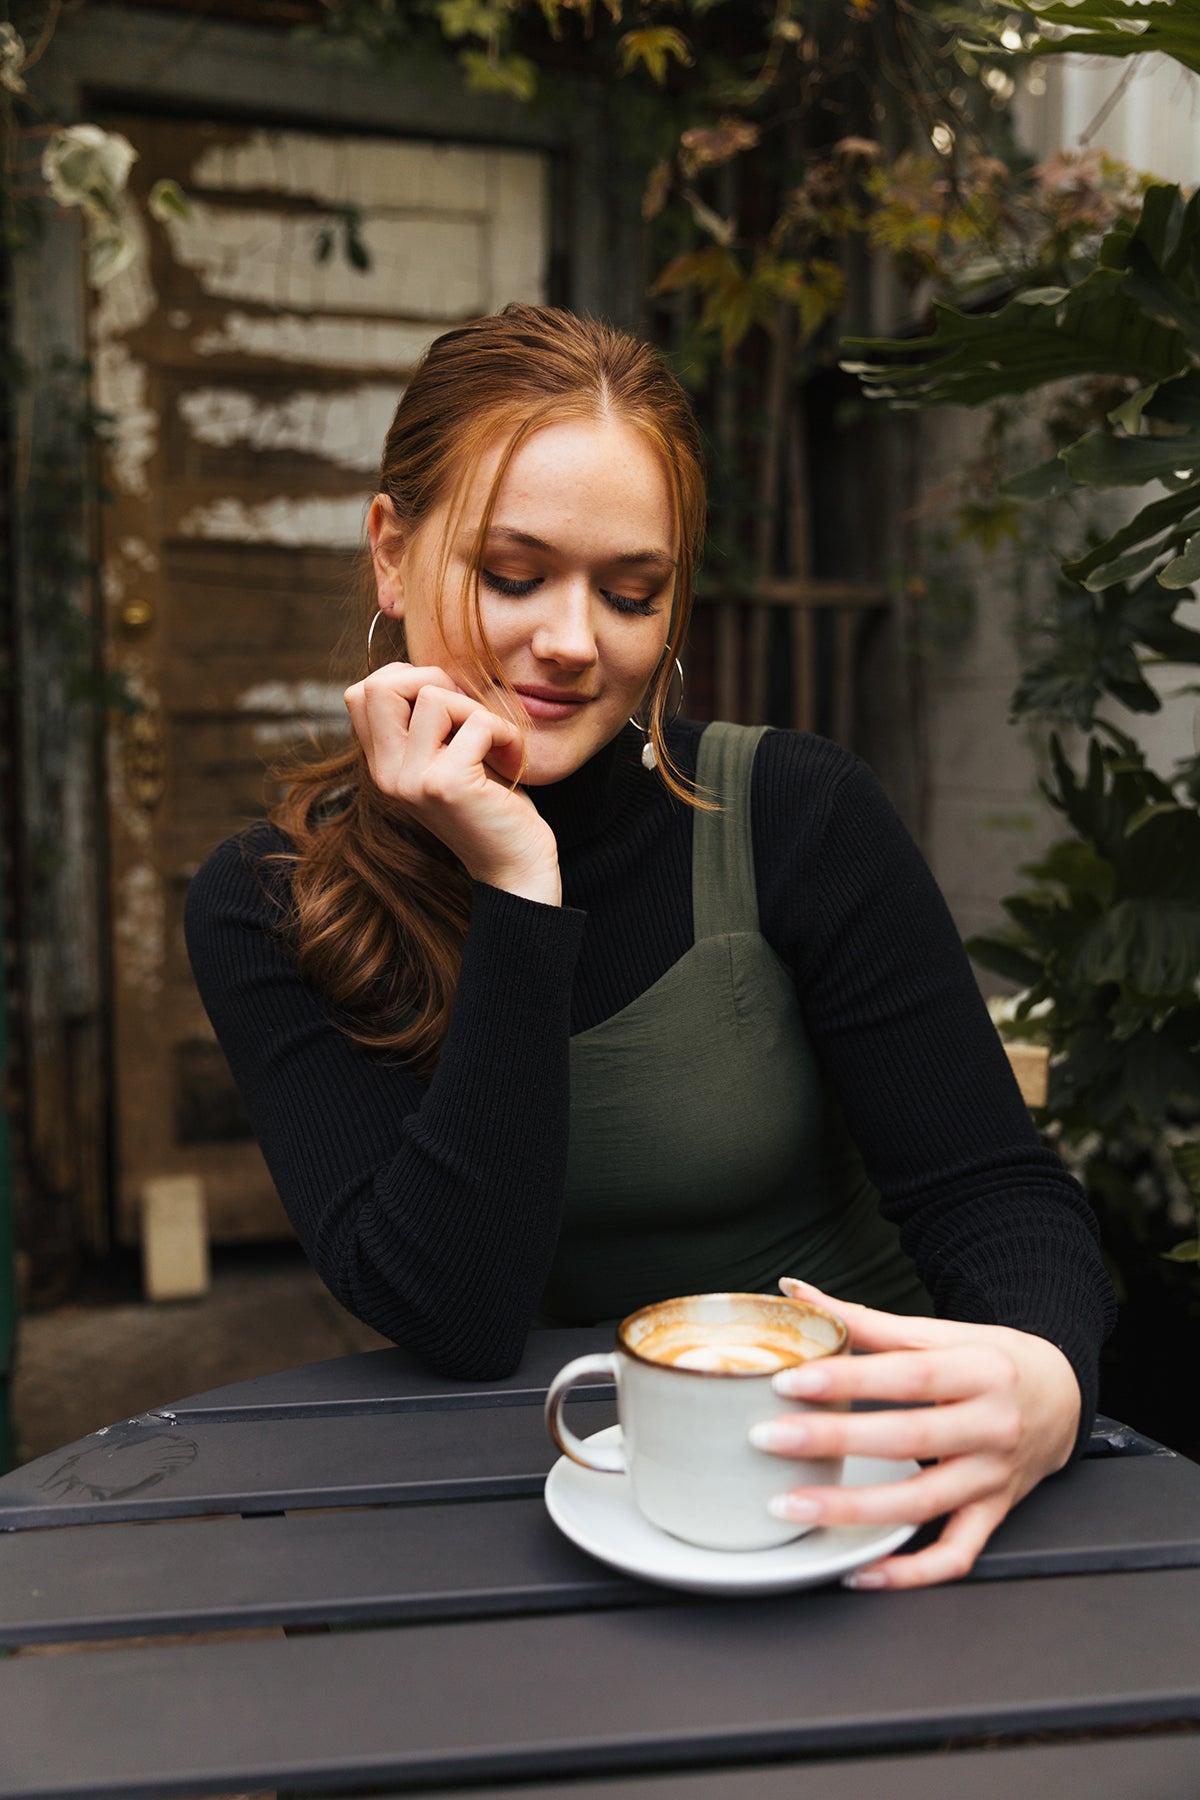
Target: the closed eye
pixel 514 589
pixel 505 584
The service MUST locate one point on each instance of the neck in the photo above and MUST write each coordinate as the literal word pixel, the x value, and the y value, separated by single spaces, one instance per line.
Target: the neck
pixel 581 805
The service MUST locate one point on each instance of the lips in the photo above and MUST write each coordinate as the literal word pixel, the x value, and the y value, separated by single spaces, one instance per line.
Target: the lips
pixel 551 703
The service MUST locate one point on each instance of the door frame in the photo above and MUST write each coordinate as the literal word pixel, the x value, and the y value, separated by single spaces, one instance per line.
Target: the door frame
pixel 177 64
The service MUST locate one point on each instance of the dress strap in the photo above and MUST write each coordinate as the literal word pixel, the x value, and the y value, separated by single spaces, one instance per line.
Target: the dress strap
pixel 724 894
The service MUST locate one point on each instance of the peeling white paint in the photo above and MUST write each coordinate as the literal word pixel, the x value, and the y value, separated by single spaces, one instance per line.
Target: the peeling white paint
pixel 128 300
pixel 344 428
pixel 269 735
pixel 179 320
pixel 136 824
pixel 336 524
pixel 350 171
pixel 329 343
pixel 121 386
pixel 422 267
pixel 137 551
pixel 322 698
pixel 140 931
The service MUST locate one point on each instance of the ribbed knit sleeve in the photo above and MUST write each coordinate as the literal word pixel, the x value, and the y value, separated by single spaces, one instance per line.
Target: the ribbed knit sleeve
pixel 431 1212
pixel 998 1230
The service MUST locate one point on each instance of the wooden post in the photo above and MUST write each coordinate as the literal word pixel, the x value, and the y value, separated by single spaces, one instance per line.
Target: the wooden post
pixel 174 1238
pixel 1031 1066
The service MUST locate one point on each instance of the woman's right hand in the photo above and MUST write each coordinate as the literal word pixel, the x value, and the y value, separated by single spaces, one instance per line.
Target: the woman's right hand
pixel 453 764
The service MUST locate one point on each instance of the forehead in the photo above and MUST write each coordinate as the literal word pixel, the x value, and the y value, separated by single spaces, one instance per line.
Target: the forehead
pixel 583 478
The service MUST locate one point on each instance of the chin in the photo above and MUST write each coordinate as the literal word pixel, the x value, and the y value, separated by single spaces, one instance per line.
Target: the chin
pixel 549 763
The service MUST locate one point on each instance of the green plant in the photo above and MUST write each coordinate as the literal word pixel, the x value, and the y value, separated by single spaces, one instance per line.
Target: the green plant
pixel 1106 940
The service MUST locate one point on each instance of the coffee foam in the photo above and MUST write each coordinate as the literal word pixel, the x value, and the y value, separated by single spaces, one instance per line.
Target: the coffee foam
pixel 731 1349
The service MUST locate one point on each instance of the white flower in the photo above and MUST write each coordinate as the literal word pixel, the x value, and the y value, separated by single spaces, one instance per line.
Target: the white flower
pixel 12 57
pixel 86 167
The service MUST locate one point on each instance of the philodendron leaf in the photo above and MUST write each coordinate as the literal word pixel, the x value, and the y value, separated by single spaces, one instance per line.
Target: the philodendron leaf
pixel 1149 526
pixel 1186 568
pixel 1156 810
pixel 1152 946
pixel 1004 958
pixel 1187 1252
pixel 1102 460
pixel 1161 297
pixel 1046 482
pixel 1117 28
pixel 1186 1158
pixel 975 357
pixel 1129 413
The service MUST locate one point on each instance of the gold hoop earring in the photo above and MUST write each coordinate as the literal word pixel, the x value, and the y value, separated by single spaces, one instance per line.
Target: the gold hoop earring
pixel 649 755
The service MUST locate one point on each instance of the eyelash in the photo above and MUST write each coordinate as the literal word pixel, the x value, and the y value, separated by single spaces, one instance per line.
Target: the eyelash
pixel 518 590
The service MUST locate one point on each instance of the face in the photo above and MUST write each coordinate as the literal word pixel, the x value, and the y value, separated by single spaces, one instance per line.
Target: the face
pixel 575 588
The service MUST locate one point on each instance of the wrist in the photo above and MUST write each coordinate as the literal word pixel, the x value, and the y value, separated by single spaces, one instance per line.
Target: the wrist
pixel 543 885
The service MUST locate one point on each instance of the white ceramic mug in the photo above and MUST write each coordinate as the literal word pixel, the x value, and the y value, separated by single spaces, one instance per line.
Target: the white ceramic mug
pixel 685 1423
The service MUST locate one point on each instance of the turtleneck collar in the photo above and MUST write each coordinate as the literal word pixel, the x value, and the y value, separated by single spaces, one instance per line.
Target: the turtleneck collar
pixel 584 804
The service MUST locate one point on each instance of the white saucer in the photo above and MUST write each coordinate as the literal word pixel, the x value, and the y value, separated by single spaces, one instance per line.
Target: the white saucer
pixel 597 1512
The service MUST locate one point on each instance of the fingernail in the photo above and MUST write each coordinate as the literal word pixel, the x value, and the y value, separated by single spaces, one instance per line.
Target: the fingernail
pixel 796 1507
pixel 865 1578
pixel 804 1383
pixel 769 1434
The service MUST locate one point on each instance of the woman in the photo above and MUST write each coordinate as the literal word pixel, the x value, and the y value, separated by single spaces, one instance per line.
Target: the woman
pixel 540 1016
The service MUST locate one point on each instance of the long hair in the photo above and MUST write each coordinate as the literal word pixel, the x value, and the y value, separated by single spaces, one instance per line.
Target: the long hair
pixel 380 906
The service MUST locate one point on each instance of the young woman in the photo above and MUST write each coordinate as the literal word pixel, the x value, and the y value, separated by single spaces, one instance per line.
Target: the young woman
pixel 540 1014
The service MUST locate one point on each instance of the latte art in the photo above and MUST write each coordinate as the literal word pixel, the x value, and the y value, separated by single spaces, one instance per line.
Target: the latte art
pixel 726 1357
pixel 728 1351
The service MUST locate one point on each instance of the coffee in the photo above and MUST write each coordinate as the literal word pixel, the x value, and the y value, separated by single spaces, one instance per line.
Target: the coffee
pixel 687 1407
pixel 727 1350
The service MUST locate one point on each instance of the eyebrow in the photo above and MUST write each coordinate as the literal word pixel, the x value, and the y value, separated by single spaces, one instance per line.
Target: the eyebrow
pixel 625 559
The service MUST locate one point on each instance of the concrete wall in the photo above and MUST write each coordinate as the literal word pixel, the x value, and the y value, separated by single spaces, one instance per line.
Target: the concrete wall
pixel 983 816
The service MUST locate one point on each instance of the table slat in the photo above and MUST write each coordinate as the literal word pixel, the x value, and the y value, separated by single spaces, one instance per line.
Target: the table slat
pixel 588 1694
pixel 150 1468
pixel 390 1381
pixel 1142 1768
pixel 503 1556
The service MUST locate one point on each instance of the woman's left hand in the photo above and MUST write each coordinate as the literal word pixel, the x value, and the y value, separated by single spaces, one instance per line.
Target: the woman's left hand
pixel 996 1410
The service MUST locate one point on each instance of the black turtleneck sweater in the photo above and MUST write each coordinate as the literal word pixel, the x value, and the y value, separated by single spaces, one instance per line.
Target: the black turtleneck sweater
pixel 431 1210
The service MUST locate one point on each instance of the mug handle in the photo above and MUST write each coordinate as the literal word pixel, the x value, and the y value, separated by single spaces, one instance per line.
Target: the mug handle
pixel 608 1460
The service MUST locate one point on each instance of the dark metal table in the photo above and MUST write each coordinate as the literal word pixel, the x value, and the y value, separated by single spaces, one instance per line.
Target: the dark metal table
pixel 371 1598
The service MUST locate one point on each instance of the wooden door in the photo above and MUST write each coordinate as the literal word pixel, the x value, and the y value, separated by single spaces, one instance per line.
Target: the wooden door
pixel 252 382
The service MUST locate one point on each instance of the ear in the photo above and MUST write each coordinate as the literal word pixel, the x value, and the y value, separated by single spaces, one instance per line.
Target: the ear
pixel 387 555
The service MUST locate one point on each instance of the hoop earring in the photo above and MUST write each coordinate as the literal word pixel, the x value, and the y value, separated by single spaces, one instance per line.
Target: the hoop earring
pixel 380 614
pixel 649 756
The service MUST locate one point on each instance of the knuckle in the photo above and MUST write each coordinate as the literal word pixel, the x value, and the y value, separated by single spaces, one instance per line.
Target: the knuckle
pixel 1008 1429
pixel 1001 1370
pixel 955 1562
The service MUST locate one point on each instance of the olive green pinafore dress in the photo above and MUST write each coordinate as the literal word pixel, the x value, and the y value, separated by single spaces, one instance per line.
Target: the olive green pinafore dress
pixel 706 1153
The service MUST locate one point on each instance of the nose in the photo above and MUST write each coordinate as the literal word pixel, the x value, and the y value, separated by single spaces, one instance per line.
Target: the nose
pixel 565 631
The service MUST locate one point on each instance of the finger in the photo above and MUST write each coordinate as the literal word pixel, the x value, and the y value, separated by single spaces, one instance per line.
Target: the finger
pixel 438 718
pixel 871 1330
pixel 949 1558
pixel 407 679
pixel 942 1489
pixel 955 1372
pixel 469 750
pixel 924 1433
pixel 356 705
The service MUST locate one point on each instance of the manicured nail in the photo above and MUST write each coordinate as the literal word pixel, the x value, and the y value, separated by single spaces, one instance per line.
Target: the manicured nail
pixel 796 1507
pixel 865 1578
pixel 803 1383
pixel 770 1434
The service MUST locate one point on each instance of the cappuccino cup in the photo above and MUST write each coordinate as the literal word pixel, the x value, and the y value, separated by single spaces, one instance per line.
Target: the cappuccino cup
pixel 692 1377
